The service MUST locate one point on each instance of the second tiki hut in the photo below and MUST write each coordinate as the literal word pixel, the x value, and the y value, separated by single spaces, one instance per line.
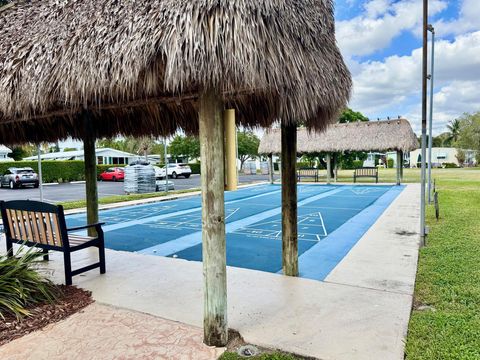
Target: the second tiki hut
pixel 88 69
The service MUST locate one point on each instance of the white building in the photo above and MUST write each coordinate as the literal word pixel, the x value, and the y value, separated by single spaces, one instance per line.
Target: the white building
pixel 442 155
pixel 4 151
pixel 105 156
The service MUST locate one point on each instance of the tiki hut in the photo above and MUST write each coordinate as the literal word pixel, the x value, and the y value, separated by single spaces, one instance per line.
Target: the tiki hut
pixel 90 69
pixel 387 135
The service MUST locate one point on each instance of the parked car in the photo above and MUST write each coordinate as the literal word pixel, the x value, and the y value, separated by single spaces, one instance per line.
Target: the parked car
pixel 176 170
pixel 161 184
pixel 112 174
pixel 18 177
pixel 159 172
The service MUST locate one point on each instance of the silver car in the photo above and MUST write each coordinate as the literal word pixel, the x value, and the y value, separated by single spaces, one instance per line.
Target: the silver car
pixel 18 177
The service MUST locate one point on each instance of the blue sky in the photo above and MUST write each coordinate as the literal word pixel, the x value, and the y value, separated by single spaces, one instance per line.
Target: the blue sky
pixel 381 43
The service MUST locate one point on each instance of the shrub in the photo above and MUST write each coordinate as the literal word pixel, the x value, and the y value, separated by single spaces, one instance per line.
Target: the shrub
pixel 303 165
pixel 450 165
pixel 357 164
pixel 195 168
pixel 390 163
pixel 71 170
pixel 21 285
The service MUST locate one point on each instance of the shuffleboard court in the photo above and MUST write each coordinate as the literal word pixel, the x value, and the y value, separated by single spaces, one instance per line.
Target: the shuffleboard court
pixel 253 225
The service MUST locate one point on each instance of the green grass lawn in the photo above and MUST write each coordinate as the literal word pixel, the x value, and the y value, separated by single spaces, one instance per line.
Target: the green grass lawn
pixel 448 279
pixel 68 205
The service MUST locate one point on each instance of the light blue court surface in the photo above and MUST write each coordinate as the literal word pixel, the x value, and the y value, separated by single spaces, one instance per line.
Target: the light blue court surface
pixel 331 219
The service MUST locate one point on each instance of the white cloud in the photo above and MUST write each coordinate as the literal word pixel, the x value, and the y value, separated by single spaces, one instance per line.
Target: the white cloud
pixel 382 21
pixel 468 20
pixel 395 83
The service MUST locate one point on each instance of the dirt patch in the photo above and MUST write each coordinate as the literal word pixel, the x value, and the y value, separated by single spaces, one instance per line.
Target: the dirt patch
pixel 71 300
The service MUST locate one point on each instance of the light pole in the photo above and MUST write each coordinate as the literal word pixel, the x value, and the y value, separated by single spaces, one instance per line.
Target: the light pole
pixel 40 181
pixel 424 121
pixel 430 139
pixel 166 163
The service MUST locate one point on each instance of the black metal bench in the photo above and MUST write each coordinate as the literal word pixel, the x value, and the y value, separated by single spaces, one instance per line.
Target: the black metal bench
pixel 365 172
pixel 307 173
pixel 42 225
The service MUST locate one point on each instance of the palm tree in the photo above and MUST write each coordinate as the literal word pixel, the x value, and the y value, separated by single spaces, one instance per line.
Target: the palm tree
pixel 453 130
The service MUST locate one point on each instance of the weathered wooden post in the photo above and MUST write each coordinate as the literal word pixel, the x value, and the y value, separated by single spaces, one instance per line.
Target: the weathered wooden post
pixel 90 172
pixel 230 150
pixel 289 200
pixel 329 168
pixel 335 167
pixel 399 167
pixel 270 168
pixel 213 219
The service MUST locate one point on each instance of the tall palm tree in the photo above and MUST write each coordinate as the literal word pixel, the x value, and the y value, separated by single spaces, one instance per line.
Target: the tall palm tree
pixel 453 130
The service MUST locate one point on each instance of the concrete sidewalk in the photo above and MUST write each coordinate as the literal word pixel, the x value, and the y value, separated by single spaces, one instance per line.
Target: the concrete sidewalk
pixel 104 332
pixel 361 311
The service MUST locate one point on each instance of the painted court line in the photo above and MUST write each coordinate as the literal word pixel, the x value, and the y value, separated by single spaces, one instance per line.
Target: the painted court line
pixel 126 224
pixel 187 241
pixel 318 261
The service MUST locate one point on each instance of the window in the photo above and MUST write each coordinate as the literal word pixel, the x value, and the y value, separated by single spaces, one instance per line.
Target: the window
pixel 99 160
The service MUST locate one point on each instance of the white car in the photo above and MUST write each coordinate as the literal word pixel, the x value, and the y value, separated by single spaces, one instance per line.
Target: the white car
pixel 174 171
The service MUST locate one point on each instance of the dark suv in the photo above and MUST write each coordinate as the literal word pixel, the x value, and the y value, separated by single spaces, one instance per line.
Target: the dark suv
pixel 18 177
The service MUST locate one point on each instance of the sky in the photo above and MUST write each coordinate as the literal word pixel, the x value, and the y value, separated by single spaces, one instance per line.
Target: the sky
pixel 382 46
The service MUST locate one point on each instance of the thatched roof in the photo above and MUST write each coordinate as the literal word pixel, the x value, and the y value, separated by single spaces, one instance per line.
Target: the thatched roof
pixel 358 136
pixel 138 66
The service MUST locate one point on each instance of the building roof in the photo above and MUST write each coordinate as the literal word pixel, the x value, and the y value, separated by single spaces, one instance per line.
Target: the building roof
pixel 78 153
pixel 358 136
pixel 4 149
pixel 139 67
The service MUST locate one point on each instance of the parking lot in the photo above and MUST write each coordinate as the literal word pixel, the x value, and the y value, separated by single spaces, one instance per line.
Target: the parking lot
pixel 76 191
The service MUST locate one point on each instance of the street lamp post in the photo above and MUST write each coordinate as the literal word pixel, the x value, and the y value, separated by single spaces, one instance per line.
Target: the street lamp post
pixel 430 139
pixel 424 121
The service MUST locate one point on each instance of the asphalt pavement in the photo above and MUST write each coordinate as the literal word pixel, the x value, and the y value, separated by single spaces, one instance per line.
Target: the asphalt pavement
pixel 54 193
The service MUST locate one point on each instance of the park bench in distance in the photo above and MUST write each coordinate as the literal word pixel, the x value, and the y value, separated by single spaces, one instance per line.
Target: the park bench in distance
pixel 307 173
pixel 42 225
pixel 365 172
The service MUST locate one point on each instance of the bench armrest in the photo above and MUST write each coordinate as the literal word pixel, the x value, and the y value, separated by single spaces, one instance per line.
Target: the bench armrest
pixel 99 224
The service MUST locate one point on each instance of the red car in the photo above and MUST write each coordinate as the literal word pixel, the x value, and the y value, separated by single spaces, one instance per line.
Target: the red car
pixel 112 174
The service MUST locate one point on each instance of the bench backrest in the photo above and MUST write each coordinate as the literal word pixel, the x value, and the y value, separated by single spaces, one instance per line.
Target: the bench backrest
pixel 34 222
pixel 366 171
pixel 307 171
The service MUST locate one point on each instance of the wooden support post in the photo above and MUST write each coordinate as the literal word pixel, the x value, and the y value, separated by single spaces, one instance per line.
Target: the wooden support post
pixel 270 168
pixel 90 172
pixel 213 219
pixel 399 167
pixel 230 150
pixel 289 200
pixel 329 168
pixel 335 167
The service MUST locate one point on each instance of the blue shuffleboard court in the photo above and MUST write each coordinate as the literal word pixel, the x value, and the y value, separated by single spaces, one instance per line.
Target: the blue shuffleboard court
pixel 331 219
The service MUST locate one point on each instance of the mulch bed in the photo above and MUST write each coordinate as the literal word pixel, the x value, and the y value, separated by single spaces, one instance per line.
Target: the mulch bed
pixel 71 300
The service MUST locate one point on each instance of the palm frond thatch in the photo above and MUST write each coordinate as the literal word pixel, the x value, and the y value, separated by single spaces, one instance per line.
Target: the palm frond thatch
pixel 140 65
pixel 356 136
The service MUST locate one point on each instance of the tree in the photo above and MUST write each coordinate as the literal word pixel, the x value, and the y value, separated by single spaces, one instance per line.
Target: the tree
pixel 248 144
pixel 461 156
pixel 185 147
pixel 141 146
pixel 20 152
pixel 454 130
pixel 469 133
pixel 348 115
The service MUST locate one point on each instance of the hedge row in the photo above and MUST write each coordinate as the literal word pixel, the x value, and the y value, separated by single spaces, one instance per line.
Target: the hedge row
pixel 65 171
pixel 52 171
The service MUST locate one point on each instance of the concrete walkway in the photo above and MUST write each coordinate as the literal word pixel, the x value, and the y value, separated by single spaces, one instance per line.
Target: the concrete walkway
pixel 104 332
pixel 360 311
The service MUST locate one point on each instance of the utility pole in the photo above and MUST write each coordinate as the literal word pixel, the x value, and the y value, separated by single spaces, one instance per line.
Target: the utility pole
pixel 424 121
pixel 430 139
